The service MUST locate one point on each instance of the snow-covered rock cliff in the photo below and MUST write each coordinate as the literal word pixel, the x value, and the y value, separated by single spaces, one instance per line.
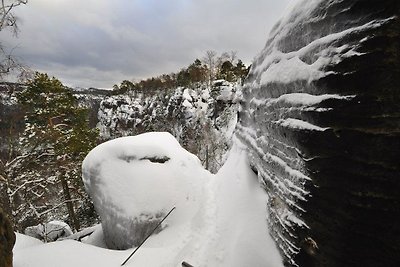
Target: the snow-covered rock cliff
pixel 201 118
pixel 320 117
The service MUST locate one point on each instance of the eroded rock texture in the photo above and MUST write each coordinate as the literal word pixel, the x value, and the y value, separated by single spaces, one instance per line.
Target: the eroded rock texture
pixel 321 117
pixel 7 240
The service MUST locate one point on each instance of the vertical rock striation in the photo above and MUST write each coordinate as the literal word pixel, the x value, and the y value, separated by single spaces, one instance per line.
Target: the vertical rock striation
pixel 321 118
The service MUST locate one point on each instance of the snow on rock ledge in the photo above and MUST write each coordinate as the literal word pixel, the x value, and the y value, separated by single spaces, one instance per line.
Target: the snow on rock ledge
pixel 134 181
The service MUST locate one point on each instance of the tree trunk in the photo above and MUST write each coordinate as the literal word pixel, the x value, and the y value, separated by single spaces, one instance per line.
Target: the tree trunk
pixel 5 203
pixel 207 157
pixel 70 206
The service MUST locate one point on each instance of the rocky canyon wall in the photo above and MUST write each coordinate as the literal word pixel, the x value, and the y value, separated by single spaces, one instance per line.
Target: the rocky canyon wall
pixel 321 118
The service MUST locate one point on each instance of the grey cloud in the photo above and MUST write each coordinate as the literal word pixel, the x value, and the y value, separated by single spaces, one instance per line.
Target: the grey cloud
pixel 101 42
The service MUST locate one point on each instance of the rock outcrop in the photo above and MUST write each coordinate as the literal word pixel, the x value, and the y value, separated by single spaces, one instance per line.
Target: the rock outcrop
pixel 320 116
pixel 135 181
pixel 7 240
pixel 201 118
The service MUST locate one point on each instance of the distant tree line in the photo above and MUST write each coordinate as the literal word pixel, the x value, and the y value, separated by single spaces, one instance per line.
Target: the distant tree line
pixel 211 67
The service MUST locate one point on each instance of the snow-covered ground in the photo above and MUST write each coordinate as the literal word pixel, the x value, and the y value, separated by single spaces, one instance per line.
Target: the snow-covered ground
pixel 226 223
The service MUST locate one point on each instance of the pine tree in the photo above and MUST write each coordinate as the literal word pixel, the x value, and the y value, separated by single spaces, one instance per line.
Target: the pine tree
pixel 226 72
pixel 55 141
pixel 240 70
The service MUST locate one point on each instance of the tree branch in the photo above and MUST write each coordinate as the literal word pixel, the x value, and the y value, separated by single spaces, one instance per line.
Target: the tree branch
pixel 23 185
pixel 57 206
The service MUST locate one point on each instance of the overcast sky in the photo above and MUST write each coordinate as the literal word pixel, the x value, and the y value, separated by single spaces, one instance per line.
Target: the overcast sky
pixel 97 43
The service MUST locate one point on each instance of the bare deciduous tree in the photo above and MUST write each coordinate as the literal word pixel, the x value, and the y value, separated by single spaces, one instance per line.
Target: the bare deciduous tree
pixel 8 20
pixel 209 61
pixel 7 17
pixel 232 56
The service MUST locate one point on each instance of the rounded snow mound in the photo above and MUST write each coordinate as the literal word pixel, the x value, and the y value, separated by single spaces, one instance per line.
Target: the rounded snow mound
pixel 135 181
pixel 50 231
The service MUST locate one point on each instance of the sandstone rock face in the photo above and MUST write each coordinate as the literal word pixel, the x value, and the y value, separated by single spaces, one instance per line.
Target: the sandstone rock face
pixel 320 116
pixel 7 241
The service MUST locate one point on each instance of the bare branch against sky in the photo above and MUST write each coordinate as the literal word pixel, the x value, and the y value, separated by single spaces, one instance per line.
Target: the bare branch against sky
pixel 100 42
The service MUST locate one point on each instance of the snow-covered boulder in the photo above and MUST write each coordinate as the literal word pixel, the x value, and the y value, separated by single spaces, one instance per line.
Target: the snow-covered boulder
pixel 50 231
pixel 135 181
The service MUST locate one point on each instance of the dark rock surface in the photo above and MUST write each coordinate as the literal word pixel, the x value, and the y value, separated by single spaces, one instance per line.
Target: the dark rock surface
pixel 7 240
pixel 331 164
